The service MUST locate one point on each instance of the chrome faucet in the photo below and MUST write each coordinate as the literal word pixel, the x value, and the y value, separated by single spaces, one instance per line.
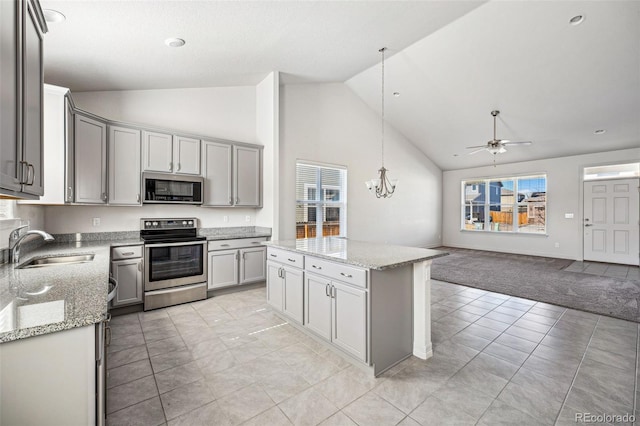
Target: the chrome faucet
pixel 15 240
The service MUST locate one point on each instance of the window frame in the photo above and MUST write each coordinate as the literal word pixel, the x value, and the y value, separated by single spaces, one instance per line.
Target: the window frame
pixel 321 203
pixel 486 206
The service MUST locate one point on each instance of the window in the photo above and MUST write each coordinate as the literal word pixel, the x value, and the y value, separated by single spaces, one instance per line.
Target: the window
pixel 613 171
pixel 511 204
pixel 321 200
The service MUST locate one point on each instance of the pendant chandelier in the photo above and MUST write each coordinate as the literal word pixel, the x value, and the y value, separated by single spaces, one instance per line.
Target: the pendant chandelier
pixel 382 186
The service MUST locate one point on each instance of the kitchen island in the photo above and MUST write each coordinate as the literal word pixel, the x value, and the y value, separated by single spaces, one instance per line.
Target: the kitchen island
pixel 370 302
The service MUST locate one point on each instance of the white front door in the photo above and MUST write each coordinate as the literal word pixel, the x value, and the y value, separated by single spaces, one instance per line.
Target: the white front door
pixel 611 215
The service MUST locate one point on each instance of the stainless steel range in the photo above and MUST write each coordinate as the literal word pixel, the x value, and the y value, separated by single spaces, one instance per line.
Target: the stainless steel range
pixel 175 266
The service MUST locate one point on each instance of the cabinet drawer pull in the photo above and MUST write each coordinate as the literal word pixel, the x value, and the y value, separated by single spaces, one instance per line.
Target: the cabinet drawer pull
pixel 346 275
pixel 291 260
pixel 255 242
pixel 316 267
pixel 273 255
pixel 224 245
pixel 129 253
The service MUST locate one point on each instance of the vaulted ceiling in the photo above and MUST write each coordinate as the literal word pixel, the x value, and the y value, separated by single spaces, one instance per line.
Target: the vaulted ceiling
pixel 452 62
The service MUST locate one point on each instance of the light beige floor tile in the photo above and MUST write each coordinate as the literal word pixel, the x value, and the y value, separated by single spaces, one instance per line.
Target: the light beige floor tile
pixel 372 410
pixel 309 407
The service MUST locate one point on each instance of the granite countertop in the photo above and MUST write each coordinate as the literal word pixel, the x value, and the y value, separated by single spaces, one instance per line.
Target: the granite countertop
pixel 374 256
pixel 234 232
pixel 43 300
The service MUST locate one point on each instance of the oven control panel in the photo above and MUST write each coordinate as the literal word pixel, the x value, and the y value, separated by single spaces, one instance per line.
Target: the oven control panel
pixel 156 223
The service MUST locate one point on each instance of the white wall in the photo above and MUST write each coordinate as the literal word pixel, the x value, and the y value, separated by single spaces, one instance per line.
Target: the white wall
pixel 564 195
pixel 328 123
pixel 219 112
pixel 267 132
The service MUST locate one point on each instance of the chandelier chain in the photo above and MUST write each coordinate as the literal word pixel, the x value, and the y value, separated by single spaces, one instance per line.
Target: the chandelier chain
pixel 382 124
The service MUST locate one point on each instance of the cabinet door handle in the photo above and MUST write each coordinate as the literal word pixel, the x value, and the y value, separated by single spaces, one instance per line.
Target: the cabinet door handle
pixel 22 180
pixel 327 290
pixel 170 166
pixel 333 291
pixel 140 266
pixel 230 201
pixel 346 275
pixel 31 171
pixel 316 267
pixel 178 168
pixel 243 255
pixel 138 198
pixel 70 193
pixel 104 196
pixel 237 200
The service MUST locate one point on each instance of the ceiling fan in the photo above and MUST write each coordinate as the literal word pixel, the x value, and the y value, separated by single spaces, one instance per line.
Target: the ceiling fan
pixel 496 146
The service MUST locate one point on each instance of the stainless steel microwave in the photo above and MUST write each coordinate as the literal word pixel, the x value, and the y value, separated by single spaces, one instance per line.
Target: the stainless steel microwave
pixel 164 188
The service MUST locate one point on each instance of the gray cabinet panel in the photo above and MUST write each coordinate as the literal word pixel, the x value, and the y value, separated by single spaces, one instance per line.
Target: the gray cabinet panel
pixel 186 155
pixel 223 268
pixel 247 172
pixel 275 285
pixel 349 315
pixel 317 305
pixel 128 274
pixel 124 166
pixel 216 170
pixel 33 95
pixel 157 152
pixel 252 264
pixel 10 70
pixel 90 160
pixel 293 293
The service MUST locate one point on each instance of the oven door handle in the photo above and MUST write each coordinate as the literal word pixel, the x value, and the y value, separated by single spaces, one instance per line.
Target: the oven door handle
pixel 183 243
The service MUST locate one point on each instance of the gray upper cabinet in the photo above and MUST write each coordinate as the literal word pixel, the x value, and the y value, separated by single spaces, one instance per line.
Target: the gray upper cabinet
pixel 216 170
pixel 186 155
pixel 166 153
pixel 233 174
pixel 91 160
pixel 21 96
pixel 157 152
pixel 247 176
pixel 124 166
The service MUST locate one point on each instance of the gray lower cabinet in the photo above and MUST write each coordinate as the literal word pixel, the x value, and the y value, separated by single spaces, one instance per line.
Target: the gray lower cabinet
pixel 337 312
pixel 285 289
pixel 236 262
pixel 126 268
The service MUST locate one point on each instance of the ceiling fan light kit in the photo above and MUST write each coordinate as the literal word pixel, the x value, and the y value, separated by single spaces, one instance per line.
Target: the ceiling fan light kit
pixel 496 146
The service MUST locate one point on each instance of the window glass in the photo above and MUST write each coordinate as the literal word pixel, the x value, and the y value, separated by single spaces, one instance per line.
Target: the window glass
pixel 321 200
pixel 509 204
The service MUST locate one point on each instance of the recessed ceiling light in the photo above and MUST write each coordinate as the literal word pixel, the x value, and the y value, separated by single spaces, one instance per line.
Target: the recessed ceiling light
pixel 396 94
pixel 577 20
pixel 600 131
pixel 174 42
pixel 51 15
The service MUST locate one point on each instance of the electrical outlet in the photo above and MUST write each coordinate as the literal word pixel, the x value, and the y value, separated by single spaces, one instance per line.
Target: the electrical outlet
pixel 225 218
pixel 95 221
pixel 247 218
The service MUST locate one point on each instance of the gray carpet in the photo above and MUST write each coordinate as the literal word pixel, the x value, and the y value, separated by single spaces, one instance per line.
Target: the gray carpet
pixel 539 278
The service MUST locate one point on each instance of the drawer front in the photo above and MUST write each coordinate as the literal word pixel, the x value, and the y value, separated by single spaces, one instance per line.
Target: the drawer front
pixel 337 271
pixel 286 257
pixel 235 243
pixel 126 252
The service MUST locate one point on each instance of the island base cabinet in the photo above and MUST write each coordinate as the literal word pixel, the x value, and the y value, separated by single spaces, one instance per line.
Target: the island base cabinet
pixel 252 264
pixel 338 313
pixel 349 319
pixel 49 379
pixel 285 289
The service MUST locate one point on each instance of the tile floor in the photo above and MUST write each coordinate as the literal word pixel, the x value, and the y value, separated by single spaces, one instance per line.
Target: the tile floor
pixel 605 269
pixel 498 360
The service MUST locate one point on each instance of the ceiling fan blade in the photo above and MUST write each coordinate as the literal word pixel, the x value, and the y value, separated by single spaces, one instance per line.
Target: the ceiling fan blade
pixel 484 148
pixel 477 146
pixel 508 143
